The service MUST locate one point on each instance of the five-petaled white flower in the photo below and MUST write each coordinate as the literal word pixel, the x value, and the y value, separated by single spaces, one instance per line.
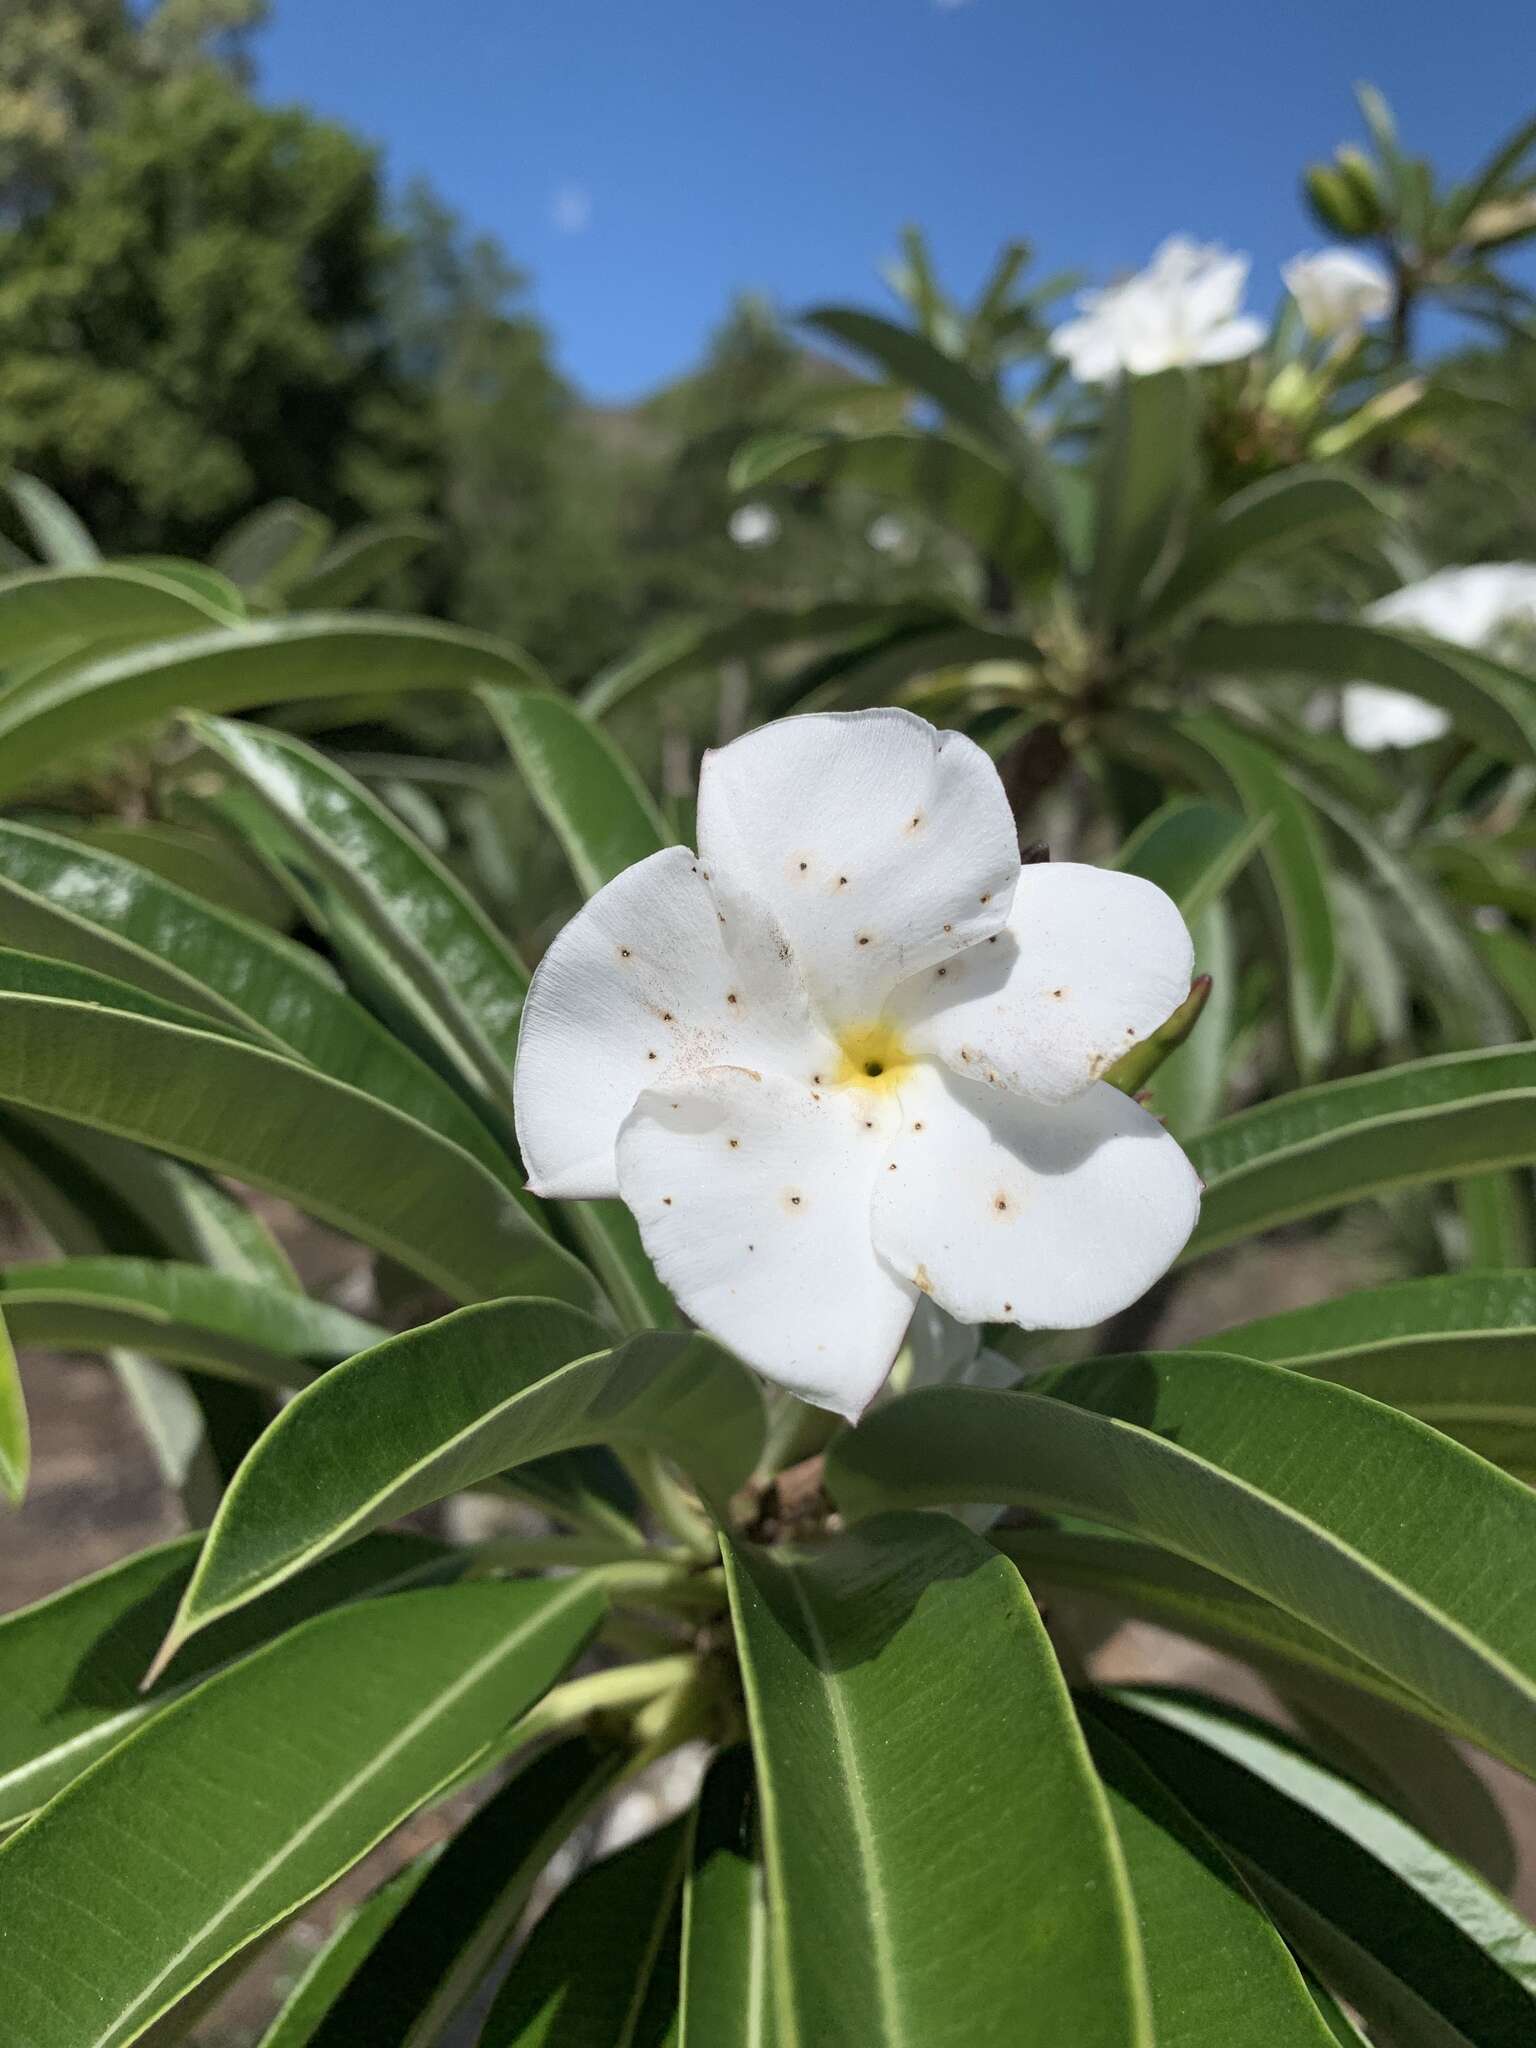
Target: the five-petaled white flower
pixel 1337 291
pixel 1182 310
pixel 851 1054
pixel 1469 607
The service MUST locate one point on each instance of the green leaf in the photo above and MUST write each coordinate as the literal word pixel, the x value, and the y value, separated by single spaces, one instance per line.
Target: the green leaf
pixel 444 1406
pixel 970 404
pixel 271 546
pixel 1454 1349
pixel 94 1193
pixel 59 535
pixel 46 608
pixel 1217 1969
pixel 1435 940
pixel 726 1982
pixel 1147 476
pixel 941 1865
pixel 1283 511
pixel 1209 752
pixel 1489 702
pixel 207 868
pixel 226 598
pixel 74 1661
pixel 15 1441
pixel 466 1909
pixel 102 912
pixel 380 1175
pixel 356 1936
pixel 1420 1771
pixel 911 667
pixel 601 1966
pixel 378 1704
pixel 1319 1148
pixel 684 649
pixel 1198 1452
pixel 1193 850
pixel 1426 1951
pixel 448 963
pixel 1512 959
pixel 31 974
pixel 930 474
pixel 360 562
pixel 187 1314
pixel 232 668
pixel 1110 1571
pixel 591 798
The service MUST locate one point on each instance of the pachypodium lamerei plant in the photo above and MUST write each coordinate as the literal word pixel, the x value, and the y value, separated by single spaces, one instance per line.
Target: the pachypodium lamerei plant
pixel 924 1817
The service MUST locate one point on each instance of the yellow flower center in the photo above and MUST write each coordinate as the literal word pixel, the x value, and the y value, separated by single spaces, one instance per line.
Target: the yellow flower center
pixel 874 1057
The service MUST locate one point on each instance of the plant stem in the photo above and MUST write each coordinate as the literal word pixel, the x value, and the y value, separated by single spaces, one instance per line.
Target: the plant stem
pixel 625 1685
pixel 671 1506
pixel 665 1585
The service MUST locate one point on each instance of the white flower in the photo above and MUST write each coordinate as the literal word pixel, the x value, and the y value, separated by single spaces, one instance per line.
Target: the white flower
pixel 1470 608
pixel 850 1055
pixel 753 526
pixel 1181 310
pixel 1338 290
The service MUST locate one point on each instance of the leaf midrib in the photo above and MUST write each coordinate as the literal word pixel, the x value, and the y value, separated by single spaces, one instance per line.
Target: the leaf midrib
pixel 865 1834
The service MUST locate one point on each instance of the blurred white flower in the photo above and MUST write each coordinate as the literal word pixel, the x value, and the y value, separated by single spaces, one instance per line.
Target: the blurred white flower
pixel 851 1055
pixel 888 535
pixel 1181 310
pixel 753 526
pixel 1338 290
pixel 1470 608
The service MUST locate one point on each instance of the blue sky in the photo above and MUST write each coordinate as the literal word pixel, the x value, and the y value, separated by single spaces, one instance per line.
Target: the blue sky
pixel 646 158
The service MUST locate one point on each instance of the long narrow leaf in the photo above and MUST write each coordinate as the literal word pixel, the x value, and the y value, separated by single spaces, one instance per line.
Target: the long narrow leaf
pixel 449 1404
pixel 389 1180
pixel 1198 1452
pixel 1430 1120
pixel 379 1704
pixel 920 1835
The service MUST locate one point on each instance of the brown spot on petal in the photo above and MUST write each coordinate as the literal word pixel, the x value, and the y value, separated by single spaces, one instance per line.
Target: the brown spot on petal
pixel 731 997
pixel 921 1281
pixel 735 1144
pixel 1000 1204
pixel 863 938
pixel 666 1201
pixel 1007 1308
pixel 917 1127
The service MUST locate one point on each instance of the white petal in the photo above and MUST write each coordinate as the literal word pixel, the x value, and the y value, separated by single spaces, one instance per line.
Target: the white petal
pixel 878 844
pixel 646 982
pixel 1052 1217
pixel 752 1194
pixel 1233 338
pixel 1091 961
pixel 1374 718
